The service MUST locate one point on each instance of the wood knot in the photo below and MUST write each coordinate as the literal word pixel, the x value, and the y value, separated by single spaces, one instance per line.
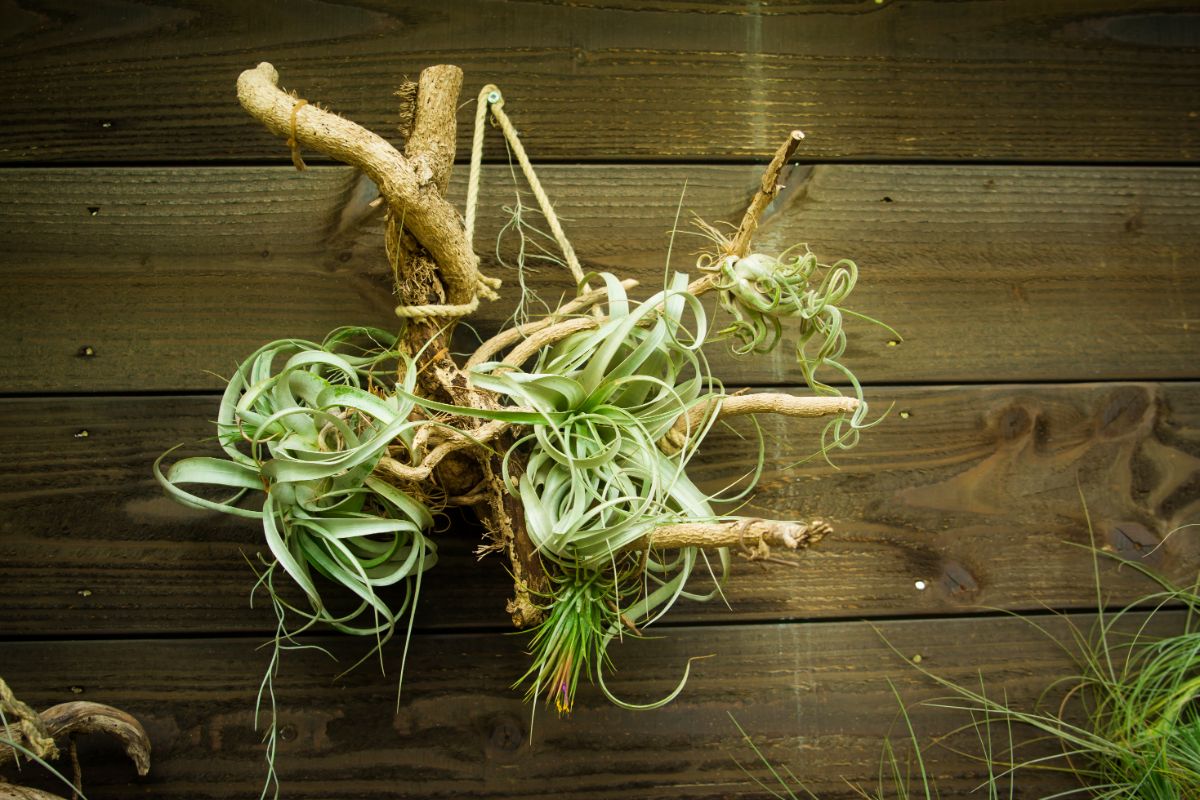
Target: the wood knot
pixel 958 581
pixel 1123 410
pixel 1013 423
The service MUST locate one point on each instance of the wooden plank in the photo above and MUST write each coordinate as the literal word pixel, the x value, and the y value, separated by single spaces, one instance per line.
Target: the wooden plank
pixel 814 696
pixel 991 273
pixel 974 491
pixel 1074 80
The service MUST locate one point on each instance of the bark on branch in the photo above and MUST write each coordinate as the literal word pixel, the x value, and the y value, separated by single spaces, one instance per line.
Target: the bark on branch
pixel 768 188
pixel 692 422
pixel 430 217
pixel 64 721
pixel 749 533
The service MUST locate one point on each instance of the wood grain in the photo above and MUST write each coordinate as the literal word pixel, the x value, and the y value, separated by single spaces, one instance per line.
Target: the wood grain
pixel 1079 80
pixel 974 491
pixel 991 273
pixel 814 697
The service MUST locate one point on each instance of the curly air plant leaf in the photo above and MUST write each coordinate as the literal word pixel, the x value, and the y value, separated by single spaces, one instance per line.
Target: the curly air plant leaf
pixel 597 483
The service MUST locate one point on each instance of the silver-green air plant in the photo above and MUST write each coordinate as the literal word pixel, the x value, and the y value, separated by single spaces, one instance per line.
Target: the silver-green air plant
pixel 596 482
pixel 762 292
pixel 302 426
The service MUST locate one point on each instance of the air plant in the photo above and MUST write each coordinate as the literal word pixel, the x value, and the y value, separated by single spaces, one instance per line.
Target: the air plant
pixel 596 482
pixel 1128 723
pixel 304 437
pixel 303 426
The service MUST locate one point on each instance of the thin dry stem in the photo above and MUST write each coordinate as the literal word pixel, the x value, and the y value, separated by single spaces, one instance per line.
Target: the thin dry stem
pixel 544 338
pixel 511 336
pixel 768 188
pixel 459 440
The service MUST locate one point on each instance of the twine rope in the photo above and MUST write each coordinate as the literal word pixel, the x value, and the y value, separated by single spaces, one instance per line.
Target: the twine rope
pixel 28 724
pixel 491 99
pixel 481 110
pixel 292 143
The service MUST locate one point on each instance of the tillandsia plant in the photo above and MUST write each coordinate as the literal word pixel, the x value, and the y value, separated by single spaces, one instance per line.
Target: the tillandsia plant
pixel 1124 725
pixel 568 434
pixel 1128 723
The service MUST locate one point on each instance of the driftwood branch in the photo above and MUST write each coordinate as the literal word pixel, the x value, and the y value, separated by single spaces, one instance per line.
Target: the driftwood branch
pixel 430 217
pixel 768 188
pixel 692 422
pixel 433 137
pixel 510 336
pixel 749 533
pixel 77 717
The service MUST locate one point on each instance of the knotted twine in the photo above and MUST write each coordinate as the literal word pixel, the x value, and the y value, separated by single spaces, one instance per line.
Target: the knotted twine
pixel 27 724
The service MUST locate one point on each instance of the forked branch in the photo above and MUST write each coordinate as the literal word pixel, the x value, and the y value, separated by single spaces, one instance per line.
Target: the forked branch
pixel 413 196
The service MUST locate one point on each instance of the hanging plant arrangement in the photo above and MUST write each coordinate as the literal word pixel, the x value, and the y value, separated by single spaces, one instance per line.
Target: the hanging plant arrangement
pixel 568 435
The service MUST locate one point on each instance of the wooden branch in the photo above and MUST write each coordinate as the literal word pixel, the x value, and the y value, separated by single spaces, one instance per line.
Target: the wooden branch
pixel 430 217
pixel 433 137
pixel 460 440
pixel 750 533
pixel 768 188
pixel 511 336
pixel 66 719
pixel 690 423
pixel 531 346
pixel 546 334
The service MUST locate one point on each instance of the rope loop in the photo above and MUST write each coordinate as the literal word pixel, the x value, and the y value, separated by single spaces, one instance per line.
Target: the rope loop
pixel 28 724
pixel 292 143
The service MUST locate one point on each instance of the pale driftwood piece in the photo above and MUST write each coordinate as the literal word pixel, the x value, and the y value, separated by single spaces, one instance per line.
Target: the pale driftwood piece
pixel 531 346
pixel 459 440
pixel 77 717
pixel 752 534
pixel 431 141
pixel 691 423
pixel 432 219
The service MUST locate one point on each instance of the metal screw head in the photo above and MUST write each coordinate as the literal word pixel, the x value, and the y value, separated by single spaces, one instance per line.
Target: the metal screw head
pixel 493 97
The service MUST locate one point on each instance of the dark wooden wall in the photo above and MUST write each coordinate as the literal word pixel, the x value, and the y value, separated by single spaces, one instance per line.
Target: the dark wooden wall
pixel 1016 179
